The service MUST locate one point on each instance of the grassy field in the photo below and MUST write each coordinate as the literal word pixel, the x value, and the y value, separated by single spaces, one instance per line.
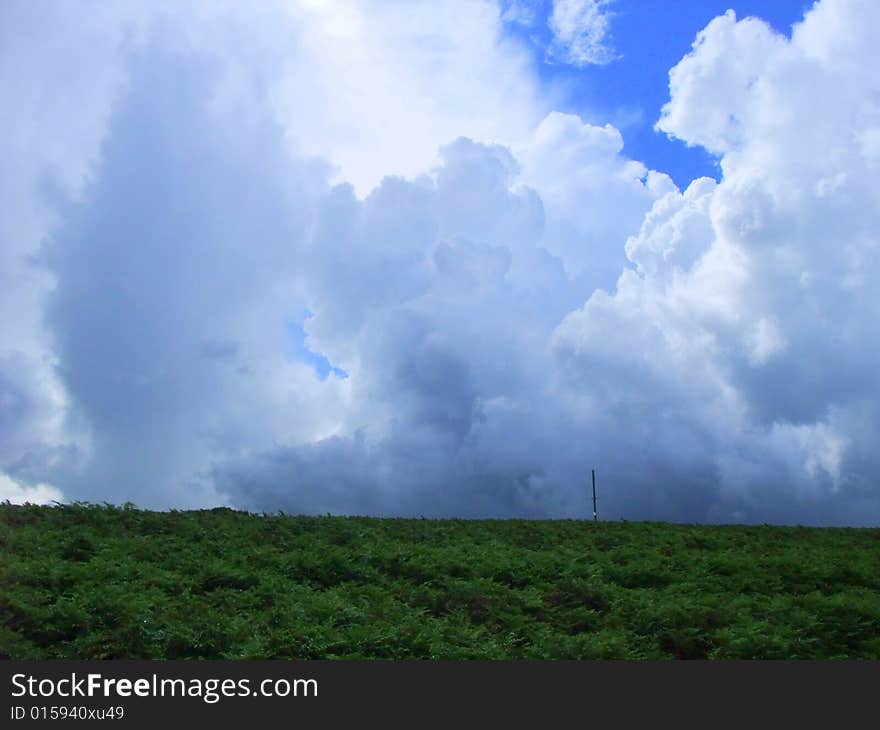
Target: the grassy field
pixel 101 582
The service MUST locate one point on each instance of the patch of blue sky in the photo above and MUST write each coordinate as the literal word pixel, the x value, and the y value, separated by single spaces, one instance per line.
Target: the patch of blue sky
pixel 298 350
pixel 647 38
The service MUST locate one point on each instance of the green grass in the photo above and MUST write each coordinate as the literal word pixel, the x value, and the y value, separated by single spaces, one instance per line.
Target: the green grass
pixel 84 582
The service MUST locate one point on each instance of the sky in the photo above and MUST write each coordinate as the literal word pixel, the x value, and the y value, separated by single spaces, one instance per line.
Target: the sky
pixel 645 38
pixel 443 259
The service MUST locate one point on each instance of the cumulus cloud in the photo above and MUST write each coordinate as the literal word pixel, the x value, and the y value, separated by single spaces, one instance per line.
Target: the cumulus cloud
pixel 400 284
pixel 201 96
pixel 593 196
pixel 750 301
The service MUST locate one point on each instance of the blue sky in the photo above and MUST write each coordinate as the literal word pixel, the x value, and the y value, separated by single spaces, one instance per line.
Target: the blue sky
pixel 648 37
pixel 299 351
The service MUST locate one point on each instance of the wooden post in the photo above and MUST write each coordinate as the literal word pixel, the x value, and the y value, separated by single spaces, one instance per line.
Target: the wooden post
pixel 595 514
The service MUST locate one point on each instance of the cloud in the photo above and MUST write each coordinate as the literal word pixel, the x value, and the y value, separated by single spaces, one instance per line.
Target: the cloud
pixel 376 89
pixel 150 320
pixel 712 98
pixel 17 493
pixel 50 133
pixel 400 284
pixel 581 32
pixel 749 318
pixel 594 196
pixel 519 12
pixel 175 281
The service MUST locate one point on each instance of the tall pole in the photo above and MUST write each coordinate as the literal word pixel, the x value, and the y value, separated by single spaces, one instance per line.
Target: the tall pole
pixel 595 514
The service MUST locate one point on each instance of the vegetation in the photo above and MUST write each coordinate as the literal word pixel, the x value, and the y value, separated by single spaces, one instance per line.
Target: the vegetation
pixel 83 581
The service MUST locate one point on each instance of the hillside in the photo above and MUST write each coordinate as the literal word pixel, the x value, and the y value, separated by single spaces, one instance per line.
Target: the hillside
pixel 85 581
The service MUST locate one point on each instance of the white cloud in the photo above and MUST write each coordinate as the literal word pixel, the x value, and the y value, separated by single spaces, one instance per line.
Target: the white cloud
pixel 594 197
pixel 376 87
pixel 581 32
pixel 751 319
pixel 15 492
pixel 711 96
